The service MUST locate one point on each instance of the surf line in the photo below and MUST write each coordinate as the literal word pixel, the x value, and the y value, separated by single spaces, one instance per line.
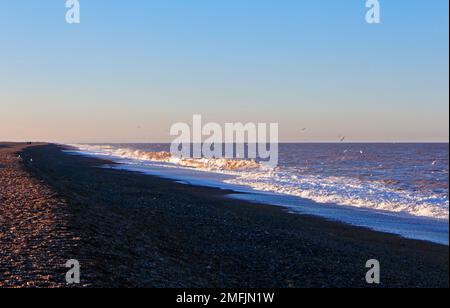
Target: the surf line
pixel 234 141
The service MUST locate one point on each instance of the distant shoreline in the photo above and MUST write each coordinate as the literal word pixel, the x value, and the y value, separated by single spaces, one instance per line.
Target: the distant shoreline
pixel 143 231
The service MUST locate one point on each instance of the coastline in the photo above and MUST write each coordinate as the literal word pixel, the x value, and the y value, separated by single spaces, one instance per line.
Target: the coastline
pixel 134 230
pixel 381 201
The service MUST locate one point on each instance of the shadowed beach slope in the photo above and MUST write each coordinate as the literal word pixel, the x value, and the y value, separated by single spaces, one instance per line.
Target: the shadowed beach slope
pixel 35 239
pixel 134 230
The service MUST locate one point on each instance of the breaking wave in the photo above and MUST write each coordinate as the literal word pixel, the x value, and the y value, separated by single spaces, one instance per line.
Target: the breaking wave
pixel 207 164
pixel 347 192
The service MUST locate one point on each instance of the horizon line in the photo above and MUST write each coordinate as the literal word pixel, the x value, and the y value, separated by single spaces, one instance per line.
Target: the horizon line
pixel 281 142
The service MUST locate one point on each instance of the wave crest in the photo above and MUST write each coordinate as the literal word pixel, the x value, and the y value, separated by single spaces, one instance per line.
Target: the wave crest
pixel 209 164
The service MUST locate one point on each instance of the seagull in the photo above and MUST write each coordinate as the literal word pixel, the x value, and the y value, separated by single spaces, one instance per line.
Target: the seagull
pixel 342 138
pixel 434 163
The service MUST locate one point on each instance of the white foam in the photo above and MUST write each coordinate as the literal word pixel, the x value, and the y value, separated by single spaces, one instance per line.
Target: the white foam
pixel 349 192
pixel 207 164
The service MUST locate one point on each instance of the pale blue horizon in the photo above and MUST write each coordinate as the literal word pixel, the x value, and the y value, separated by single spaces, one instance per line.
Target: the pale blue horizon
pixel 131 69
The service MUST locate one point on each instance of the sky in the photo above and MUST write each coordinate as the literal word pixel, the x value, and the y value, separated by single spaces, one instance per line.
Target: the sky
pixel 133 68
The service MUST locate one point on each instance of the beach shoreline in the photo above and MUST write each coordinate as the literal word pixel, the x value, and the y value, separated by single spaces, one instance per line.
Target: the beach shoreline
pixel 133 230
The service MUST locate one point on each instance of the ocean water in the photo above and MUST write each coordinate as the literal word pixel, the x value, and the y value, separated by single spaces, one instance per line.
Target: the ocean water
pixel 396 188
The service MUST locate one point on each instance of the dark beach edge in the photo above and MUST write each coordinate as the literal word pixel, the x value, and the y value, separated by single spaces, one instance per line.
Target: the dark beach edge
pixel 144 231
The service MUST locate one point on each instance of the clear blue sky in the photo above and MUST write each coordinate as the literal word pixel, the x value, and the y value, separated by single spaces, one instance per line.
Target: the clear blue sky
pixel 133 68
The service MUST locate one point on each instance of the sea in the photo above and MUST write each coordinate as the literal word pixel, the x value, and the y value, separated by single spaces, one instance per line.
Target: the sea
pixel 395 188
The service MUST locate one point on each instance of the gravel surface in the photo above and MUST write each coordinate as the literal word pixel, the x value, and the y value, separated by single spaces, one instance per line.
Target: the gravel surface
pixel 35 240
pixel 134 230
